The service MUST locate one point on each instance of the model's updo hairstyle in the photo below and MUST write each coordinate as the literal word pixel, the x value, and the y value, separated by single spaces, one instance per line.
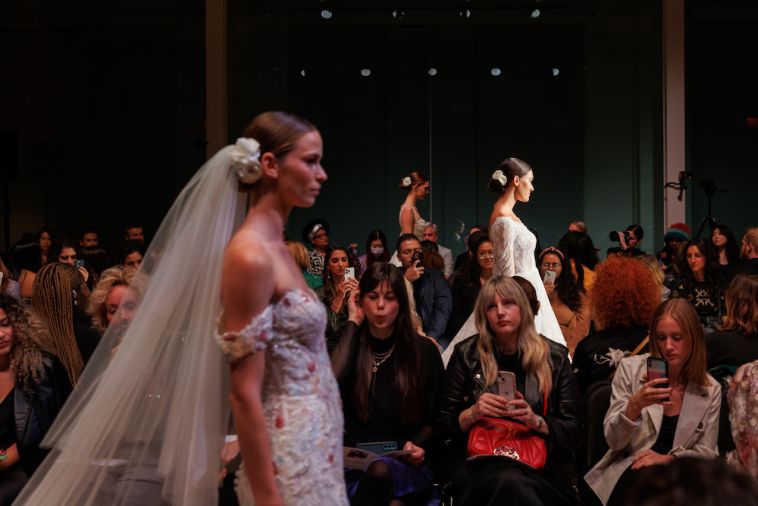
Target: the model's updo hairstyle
pixel 510 168
pixel 277 132
pixel 413 180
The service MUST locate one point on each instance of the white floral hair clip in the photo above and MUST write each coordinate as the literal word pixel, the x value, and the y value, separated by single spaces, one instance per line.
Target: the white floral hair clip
pixel 406 182
pixel 246 160
pixel 500 177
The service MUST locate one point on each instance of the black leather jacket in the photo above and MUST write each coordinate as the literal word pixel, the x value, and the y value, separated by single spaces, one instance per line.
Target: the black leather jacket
pixel 464 384
pixel 35 409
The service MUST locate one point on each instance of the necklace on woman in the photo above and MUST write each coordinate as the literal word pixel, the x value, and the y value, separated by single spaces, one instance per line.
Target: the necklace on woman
pixel 380 358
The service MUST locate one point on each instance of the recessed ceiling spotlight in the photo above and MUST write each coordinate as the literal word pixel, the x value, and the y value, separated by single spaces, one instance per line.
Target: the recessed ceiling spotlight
pixel 556 71
pixel 326 14
pixel 495 71
pixel 398 14
pixel 302 72
pixel 535 13
pixel 365 72
pixel 465 13
pixel 432 71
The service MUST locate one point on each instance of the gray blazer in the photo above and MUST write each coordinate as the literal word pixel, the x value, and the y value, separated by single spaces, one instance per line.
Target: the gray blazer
pixel 696 432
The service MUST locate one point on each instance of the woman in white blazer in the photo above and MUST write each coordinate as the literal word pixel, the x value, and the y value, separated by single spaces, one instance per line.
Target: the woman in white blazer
pixel 653 422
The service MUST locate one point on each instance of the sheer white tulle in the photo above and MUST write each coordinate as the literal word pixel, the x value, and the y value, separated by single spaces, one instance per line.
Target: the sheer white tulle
pixel 514 256
pixel 148 416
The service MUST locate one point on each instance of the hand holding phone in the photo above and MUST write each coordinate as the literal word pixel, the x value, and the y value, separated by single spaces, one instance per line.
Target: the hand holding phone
pixel 549 278
pixel 349 273
pixel 657 368
pixel 506 385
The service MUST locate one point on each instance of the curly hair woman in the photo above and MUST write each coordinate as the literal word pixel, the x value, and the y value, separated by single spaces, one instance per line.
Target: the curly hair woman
pixel 622 301
pixel 33 387
pixel 108 296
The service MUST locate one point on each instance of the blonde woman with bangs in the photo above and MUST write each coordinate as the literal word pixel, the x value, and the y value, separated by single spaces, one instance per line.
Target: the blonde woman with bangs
pixel 652 422
pixel 507 341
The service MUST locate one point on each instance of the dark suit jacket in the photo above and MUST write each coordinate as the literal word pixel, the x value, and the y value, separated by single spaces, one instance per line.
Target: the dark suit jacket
pixel 434 303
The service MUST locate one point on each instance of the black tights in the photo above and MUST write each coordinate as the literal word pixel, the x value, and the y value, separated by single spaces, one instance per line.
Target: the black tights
pixel 375 487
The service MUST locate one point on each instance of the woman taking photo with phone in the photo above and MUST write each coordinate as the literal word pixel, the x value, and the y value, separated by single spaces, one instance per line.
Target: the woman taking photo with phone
pixel 388 376
pixel 336 290
pixel 508 341
pixel 567 298
pixel 652 421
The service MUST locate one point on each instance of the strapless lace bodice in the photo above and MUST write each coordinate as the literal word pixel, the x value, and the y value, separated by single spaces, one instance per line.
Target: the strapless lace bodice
pixel 300 399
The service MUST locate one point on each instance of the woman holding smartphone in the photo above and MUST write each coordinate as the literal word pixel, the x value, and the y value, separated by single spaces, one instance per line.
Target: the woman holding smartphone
pixel 340 280
pixel 507 341
pixel 653 421
pixel 388 376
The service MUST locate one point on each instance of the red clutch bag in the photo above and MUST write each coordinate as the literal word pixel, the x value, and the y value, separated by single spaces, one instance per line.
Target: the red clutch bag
pixel 508 438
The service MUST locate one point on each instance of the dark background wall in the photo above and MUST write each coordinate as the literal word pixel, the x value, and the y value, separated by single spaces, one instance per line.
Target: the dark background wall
pixel 103 104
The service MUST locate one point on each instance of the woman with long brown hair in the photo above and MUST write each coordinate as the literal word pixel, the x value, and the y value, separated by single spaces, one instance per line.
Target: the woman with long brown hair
pixel 33 387
pixel 652 421
pixel 388 376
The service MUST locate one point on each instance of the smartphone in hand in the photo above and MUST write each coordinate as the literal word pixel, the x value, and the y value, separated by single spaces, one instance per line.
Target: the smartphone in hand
pixel 506 385
pixel 349 273
pixel 657 368
pixel 549 278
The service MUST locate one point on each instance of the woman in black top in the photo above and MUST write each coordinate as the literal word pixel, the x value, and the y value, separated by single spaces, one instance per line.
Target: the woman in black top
pixel 33 387
pixel 700 283
pixel 388 377
pixel 736 342
pixel 508 341
pixel 466 282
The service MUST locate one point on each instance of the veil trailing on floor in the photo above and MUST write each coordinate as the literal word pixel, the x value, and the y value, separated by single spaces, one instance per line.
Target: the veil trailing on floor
pixel 149 414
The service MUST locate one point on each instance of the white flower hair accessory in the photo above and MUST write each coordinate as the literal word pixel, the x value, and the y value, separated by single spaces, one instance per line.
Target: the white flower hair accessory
pixel 406 182
pixel 500 177
pixel 246 160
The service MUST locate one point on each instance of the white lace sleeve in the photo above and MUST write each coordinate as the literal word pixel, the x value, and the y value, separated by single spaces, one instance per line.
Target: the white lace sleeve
pixel 502 233
pixel 251 339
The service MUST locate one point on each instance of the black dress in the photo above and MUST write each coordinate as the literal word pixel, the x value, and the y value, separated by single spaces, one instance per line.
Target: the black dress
pixel 12 480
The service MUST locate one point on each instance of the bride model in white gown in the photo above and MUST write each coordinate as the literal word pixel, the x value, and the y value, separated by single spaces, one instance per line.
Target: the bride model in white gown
pixel 146 423
pixel 514 247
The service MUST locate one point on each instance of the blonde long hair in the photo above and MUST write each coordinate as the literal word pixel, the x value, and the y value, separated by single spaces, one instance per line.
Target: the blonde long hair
pixel 535 351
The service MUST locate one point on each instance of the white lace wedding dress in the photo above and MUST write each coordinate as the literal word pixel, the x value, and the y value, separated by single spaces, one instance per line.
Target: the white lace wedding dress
pixel 514 256
pixel 300 398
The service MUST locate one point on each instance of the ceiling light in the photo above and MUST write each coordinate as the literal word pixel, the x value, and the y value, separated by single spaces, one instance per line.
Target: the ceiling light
pixel 326 14
pixel 365 72
pixel 556 71
pixel 536 13
pixel 495 71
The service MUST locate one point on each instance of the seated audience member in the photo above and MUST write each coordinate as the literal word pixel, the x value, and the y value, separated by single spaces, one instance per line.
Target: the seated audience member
pixel 652 422
pixel 674 240
pixel 45 241
pixel 690 481
pixel 466 255
pixel 73 339
pixel 569 303
pixel 135 232
pixel 431 234
pixel 623 299
pixel 736 342
pixel 700 284
pixel 467 281
pixel 299 254
pixel 316 233
pixel 629 242
pixel 131 255
pixel 749 253
pixel 33 388
pixel 92 253
pixel 743 413
pixel 508 341
pixel 388 377
pixel 430 290
pixel 28 262
pixel 726 246
pixel 577 226
pixel 8 285
pixel 108 295
pixel 336 290
pixel 582 255
pixel 376 250
pixel 659 276
pixel 431 258
pixel 66 252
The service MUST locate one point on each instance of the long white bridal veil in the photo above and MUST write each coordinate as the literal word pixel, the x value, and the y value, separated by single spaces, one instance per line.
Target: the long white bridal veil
pixel 149 414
